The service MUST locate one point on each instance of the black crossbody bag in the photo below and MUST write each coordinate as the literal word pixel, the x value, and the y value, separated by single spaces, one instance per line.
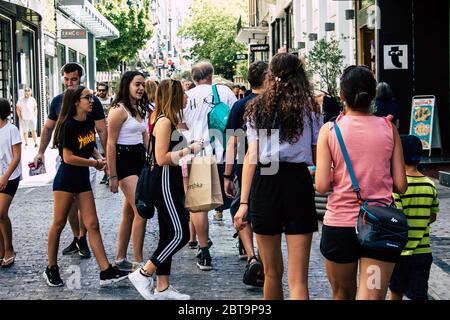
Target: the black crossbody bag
pixel 380 226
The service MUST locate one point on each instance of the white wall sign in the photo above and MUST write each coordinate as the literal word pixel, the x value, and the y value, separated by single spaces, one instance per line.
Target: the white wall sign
pixel 395 57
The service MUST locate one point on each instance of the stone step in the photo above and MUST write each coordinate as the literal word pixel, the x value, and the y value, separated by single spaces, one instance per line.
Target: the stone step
pixel 444 178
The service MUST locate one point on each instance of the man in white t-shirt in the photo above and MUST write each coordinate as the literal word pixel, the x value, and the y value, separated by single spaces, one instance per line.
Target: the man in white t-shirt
pixel 27 111
pixel 195 116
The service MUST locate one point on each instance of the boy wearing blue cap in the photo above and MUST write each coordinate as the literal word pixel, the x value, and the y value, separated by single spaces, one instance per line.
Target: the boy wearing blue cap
pixel 421 205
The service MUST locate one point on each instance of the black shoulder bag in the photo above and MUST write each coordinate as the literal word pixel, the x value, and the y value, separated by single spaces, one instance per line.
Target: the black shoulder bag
pixel 380 227
pixel 144 187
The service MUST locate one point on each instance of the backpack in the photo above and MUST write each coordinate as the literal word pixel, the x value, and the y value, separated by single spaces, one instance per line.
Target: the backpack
pixel 218 116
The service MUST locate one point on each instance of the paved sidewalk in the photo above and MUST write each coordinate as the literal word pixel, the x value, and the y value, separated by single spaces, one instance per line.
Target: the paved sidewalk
pixel 31 215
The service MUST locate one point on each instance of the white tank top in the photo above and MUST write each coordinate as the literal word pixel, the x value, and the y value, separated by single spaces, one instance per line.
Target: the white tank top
pixel 131 131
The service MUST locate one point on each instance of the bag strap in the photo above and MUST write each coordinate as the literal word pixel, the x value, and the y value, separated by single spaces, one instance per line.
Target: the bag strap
pixel 150 159
pixel 216 98
pixel 348 163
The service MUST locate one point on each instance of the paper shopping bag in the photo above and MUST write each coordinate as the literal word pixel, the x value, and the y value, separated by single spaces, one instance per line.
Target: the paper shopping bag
pixel 203 191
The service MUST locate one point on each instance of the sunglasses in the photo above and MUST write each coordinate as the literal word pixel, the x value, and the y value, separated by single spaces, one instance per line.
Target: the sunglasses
pixel 89 97
pixel 101 90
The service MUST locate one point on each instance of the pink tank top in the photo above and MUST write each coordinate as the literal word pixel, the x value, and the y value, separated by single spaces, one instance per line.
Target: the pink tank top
pixel 370 144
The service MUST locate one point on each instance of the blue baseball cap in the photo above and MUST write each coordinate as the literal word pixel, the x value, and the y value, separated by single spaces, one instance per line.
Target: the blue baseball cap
pixel 412 148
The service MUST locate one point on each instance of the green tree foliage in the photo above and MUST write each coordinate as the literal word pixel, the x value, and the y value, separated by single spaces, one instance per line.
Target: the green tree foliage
pixel 242 70
pixel 213 33
pixel 325 62
pixel 133 24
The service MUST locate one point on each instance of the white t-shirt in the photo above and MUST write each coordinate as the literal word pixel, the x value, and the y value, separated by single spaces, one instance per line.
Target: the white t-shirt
pixel 9 136
pixel 106 103
pixel 27 106
pixel 195 115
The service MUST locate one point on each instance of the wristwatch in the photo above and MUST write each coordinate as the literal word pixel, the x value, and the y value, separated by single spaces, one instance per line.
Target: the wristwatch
pixel 226 176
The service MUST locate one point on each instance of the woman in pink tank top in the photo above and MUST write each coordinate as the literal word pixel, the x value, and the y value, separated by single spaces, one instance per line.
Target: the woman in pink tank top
pixel 376 154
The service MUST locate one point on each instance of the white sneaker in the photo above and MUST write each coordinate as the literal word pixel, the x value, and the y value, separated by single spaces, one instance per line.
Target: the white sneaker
pixel 144 285
pixel 171 294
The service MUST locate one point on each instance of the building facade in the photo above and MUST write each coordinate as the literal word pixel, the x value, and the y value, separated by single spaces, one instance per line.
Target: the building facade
pixel 294 26
pixel 21 60
pixel 412 40
pixel 40 44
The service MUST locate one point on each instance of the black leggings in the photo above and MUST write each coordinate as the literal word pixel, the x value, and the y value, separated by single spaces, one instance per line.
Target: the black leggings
pixel 173 218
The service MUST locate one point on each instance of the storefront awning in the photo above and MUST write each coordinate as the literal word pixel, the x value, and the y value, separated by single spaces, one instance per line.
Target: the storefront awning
pixel 251 33
pixel 35 5
pixel 84 13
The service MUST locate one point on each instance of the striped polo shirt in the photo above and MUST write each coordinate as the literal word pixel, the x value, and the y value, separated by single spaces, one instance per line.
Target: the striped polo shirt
pixel 418 203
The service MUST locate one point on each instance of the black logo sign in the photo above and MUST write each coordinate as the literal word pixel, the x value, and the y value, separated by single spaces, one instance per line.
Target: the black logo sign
pixel 241 57
pixel 395 53
pixel 259 47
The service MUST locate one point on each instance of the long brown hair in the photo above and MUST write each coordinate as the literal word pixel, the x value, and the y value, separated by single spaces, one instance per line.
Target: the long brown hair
pixel 287 100
pixel 123 95
pixel 68 110
pixel 150 89
pixel 169 101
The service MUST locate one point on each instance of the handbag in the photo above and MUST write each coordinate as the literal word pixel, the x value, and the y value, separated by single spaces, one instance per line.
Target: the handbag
pixel 143 199
pixel 203 192
pixel 380 226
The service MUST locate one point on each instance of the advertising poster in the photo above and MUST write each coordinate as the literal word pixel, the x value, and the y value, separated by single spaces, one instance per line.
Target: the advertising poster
pixel 422 120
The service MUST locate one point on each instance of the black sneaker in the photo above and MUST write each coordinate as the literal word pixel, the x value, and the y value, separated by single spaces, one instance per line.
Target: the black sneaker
pixel 83 248
pixel 52 277
pixel 72 248
pixel 112 275
pixel 253 272
pixel 199 252
pixel 193 244
pixel 204 261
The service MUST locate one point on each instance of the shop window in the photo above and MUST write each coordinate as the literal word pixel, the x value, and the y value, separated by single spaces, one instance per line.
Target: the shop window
pixel 26 60
pixel 83 60
pixel 72 55
pixel 366 3
pixel 61 52
pixel 5 58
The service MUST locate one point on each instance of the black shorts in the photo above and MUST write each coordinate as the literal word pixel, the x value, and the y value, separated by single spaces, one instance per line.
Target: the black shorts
pixel 130 160
pixel 341 245
pixel 283 202
pixel 72 179
pixel 410 276
pixel 11 187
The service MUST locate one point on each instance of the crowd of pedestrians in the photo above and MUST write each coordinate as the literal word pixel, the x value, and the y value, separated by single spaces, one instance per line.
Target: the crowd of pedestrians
pixel 276 132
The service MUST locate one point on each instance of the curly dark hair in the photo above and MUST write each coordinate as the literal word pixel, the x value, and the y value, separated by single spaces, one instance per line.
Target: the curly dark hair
pixel 287 100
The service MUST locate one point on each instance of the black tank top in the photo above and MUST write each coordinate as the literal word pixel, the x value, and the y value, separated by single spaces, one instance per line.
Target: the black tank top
pixel 175 140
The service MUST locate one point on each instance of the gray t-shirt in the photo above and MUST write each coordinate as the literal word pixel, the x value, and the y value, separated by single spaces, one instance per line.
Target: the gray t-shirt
pixel 272 150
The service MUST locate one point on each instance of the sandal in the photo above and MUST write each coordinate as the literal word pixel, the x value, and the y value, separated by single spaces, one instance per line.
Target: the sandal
pixel 252 272
pixel 8 263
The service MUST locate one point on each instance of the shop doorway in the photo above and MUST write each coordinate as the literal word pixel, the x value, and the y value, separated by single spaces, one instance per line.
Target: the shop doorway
pixel 25 59
pixel 6 81
pixel 368 48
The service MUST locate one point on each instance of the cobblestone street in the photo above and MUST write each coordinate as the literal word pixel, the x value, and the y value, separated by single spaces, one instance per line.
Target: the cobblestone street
pixel 31 215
